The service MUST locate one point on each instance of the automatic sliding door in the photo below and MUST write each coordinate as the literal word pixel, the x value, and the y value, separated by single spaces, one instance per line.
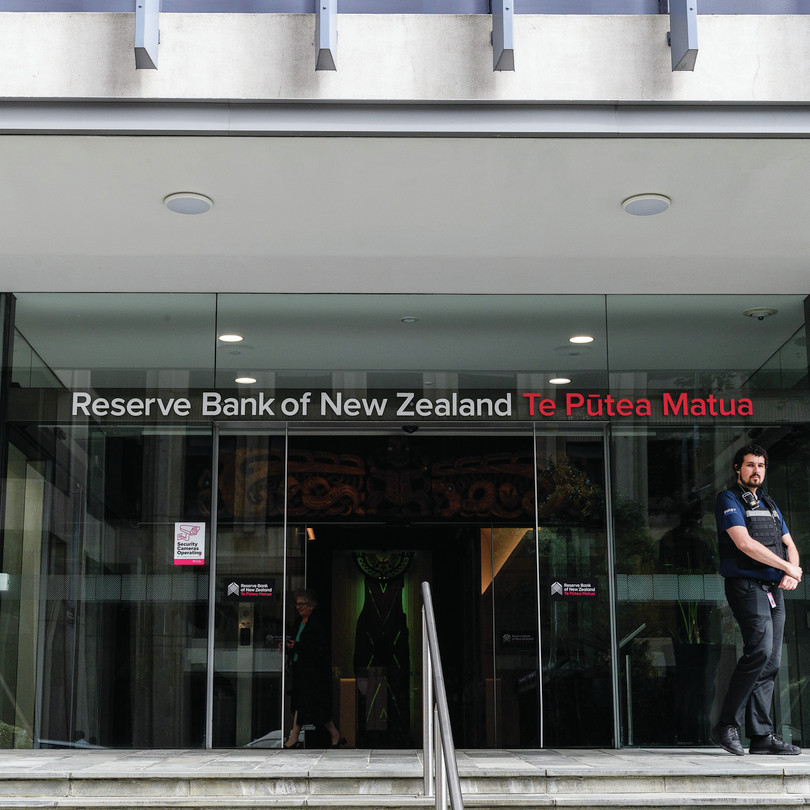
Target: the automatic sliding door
pixel 545 592
pixel 529 653
pixel 509 637
pixel 572 555
pixel 249 591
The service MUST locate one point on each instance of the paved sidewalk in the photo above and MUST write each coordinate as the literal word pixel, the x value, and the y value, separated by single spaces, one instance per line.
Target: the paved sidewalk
pixel 101 763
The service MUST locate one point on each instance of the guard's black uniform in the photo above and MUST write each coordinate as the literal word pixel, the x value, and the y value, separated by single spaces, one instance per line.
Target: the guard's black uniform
pixel 758 606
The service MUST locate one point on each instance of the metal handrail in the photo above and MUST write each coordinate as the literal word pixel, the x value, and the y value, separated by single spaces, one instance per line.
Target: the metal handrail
pixel 439 750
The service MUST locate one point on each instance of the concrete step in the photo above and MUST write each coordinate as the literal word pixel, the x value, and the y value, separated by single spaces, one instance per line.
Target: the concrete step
pixel 624 780
pixel 640 801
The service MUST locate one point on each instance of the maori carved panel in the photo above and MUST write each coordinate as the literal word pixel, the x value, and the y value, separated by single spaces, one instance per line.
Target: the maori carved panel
pixel 397 479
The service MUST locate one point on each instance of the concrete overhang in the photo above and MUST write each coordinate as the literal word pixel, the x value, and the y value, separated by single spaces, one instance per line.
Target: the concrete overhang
pixel 476 198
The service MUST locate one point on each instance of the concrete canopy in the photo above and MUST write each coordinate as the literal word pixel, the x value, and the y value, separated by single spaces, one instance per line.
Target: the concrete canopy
pixel 446 212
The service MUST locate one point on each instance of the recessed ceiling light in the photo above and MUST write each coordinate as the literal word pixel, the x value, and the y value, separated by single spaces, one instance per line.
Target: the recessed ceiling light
pixel 760 313
pixel 580 339
pixel 186 202
pixel 230 338
pixel 245 380
pixel 409 319
pixel 646 205
pixel 559 381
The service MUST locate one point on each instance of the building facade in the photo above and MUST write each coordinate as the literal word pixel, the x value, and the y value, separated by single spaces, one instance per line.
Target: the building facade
pixel 485 297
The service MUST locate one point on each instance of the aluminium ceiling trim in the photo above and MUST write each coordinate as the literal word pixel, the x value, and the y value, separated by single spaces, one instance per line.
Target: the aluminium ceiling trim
pixel 480 120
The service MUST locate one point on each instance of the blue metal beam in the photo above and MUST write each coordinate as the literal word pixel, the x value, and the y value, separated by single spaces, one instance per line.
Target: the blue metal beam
pixel 503 35
pixel 147 34
pixel 683 33
pixel 326 34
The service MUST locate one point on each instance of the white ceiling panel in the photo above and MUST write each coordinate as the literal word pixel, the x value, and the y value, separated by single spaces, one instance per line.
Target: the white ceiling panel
pixel 392 214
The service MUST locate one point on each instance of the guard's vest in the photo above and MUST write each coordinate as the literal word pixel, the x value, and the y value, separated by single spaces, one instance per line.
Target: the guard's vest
pixel 765 526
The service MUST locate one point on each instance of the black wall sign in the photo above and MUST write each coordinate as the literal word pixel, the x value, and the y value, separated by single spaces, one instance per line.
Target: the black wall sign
pixel 248 589
pixel 565 589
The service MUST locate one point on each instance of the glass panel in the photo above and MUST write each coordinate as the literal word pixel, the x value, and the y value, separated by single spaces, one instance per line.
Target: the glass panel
pixel 111 645
pixel 114 340
pixel 249 626
pixel 361 342
pixel 575 599
pixel 670 597
pixel 682 642
pixel 686 354
pixel 788 480
pixel 20 585
pixel 510 636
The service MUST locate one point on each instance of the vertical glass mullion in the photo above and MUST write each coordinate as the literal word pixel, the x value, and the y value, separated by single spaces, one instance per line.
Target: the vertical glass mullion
pixel 493 664
pixel 540 706
pixel 284 600
pixel 611 578
pixel 6 357
pixel 212 591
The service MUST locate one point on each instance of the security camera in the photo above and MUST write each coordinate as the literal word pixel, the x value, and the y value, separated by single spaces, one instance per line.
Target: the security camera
pixel 410 428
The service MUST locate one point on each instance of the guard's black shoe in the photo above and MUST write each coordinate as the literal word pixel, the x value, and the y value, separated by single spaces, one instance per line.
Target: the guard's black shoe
pixel 728 737
pixel 771 744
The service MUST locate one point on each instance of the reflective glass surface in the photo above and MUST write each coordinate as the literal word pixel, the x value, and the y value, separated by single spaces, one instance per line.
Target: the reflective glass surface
pixel 574 590
pixel 114 340
pixel 444 341
pixel 249 626
pixel 680 642
pixel 706 343
pixel 104 637
pixel 431 344
pixel 514 521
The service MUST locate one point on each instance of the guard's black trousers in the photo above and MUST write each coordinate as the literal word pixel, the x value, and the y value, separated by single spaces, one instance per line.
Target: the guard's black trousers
pixel 750 690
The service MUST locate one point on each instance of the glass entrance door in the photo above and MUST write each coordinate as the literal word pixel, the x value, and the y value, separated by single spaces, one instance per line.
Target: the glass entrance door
pixel 509 529
pixel 248 591
pixel 576 590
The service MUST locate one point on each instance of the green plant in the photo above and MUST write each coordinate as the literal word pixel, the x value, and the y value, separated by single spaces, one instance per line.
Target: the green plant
pixel 14 737
pixel 691 623
pixel 636 551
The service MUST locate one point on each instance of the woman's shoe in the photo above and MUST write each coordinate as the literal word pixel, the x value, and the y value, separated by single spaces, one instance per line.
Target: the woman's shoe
pixel 290 745
pixel 339 744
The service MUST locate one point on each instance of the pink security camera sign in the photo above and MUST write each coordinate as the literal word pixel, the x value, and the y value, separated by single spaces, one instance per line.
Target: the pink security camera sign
pixel 189 543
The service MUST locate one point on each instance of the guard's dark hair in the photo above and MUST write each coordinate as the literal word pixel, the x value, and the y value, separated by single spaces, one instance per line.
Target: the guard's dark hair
pixel 750 450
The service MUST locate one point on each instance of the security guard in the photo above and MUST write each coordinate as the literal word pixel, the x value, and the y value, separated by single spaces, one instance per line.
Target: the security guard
pixel 758 560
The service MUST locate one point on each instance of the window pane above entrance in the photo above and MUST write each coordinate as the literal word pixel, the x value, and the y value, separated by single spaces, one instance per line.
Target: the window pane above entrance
pixel 114 340
pixel 576 355
pixel 709 342
pixel 291 339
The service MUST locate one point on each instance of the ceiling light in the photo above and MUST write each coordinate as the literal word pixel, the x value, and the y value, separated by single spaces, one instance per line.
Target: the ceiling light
pixel 409 319
pixel 559 381
pixel 580 339
pixel 760 313
pixel 645 205
pixel 186 202
pixel 245 380
pixel 230 338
